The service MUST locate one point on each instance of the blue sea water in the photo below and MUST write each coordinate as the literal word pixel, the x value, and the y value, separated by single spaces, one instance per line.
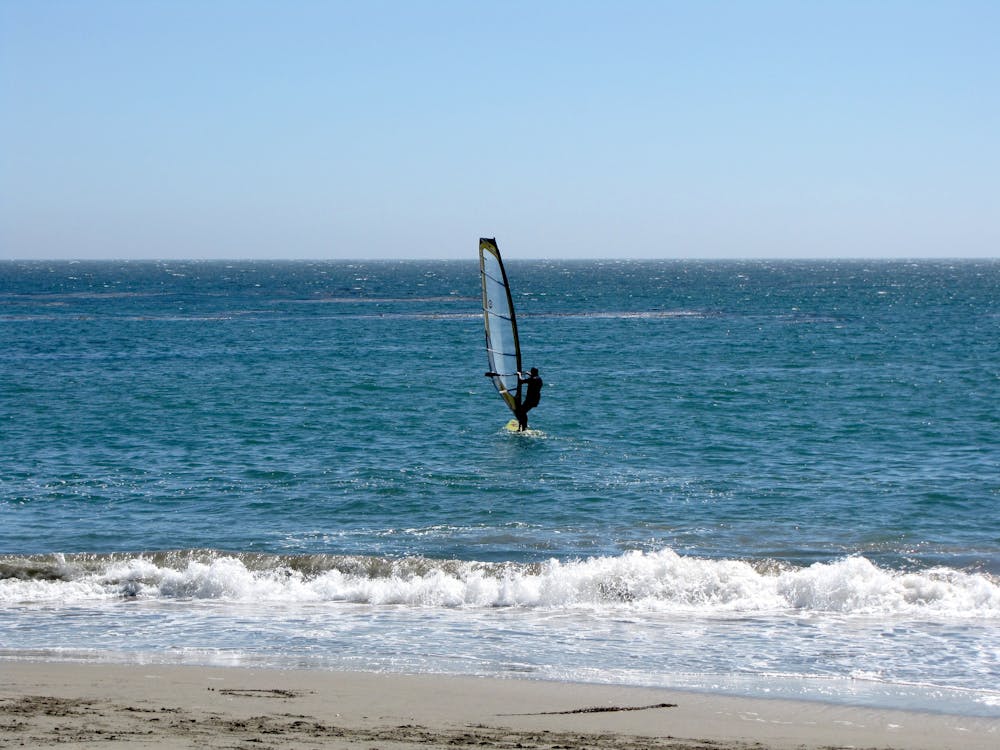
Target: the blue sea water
pixel 769 479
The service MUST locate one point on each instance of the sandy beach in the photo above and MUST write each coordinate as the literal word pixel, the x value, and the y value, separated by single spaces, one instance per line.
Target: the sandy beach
pixel 105 706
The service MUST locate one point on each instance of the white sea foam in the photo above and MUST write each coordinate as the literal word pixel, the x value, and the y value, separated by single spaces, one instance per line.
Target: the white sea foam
pixel 635 581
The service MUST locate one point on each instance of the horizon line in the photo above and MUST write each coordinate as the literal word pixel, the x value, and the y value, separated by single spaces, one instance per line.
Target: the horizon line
pixel 473 259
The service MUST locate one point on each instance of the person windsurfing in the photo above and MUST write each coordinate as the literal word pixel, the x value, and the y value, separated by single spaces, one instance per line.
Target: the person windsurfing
pixel 531 397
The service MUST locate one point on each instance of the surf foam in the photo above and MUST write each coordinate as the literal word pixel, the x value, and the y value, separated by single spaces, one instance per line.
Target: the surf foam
pixel 661 581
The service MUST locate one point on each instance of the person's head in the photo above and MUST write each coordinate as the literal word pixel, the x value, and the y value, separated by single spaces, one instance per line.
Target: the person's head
pixel 534 370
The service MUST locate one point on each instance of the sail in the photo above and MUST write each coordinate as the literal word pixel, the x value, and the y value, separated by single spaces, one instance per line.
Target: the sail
pixel 502 347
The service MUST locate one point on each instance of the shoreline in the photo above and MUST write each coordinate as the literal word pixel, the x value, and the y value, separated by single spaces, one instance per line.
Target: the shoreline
pixel 161 706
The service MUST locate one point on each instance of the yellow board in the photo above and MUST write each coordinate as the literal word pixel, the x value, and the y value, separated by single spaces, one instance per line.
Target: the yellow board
pixel 512 426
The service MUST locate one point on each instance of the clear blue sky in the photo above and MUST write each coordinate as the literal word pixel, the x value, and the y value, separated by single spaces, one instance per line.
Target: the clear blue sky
pixel 699 129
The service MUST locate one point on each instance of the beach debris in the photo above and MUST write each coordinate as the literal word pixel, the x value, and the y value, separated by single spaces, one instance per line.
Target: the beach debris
pixel 596 710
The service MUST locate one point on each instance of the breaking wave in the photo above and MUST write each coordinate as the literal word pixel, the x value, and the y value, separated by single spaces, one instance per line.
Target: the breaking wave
pixel 660 581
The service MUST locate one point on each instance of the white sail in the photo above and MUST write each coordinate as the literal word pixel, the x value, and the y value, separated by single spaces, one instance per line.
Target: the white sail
pixel 502 348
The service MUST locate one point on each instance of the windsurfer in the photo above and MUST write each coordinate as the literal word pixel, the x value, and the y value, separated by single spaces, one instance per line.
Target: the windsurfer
pixel 531 397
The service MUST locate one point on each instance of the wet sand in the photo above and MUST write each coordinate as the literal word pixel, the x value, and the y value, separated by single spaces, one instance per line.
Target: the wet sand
pixel 45 704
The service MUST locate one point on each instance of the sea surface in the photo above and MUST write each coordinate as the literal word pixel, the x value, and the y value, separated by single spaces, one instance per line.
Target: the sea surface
pixel 767 479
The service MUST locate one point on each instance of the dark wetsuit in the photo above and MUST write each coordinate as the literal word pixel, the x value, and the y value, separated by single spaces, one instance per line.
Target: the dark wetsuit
pixel 530 400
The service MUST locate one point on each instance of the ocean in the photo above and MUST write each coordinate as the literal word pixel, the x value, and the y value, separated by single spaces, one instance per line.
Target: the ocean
pixel 775 479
